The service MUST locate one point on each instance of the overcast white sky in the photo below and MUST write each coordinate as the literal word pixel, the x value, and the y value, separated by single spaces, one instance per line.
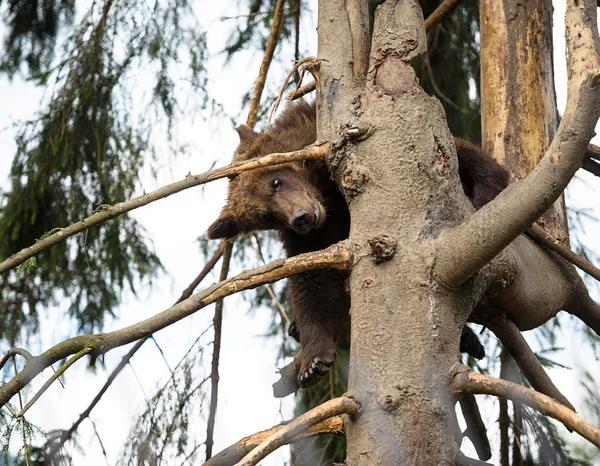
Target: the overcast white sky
pixel 248 360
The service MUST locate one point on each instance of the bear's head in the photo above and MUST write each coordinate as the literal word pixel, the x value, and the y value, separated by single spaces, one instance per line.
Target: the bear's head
pixel 271 198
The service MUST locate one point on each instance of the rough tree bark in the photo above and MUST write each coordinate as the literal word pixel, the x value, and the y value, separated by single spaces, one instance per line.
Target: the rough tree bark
pixel 405 329
pixel 518 101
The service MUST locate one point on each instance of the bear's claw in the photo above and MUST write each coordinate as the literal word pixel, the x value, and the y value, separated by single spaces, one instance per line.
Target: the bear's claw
pixel 316 371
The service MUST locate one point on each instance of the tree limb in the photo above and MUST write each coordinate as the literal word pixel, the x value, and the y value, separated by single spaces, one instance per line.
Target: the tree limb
pixel 591 166
pixel 489 230
pixel 110 212
pixel 266 63
pixel 331 408
pixel 467 382
pixel 476 431
pixel 440 13
pixel 337 256
pixel 234 453
pixel 214 374
pixel 511 337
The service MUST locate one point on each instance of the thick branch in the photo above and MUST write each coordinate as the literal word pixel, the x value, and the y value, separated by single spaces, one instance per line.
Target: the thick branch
pixel 214 375
pixel 467 382
pixel 266 63
pixel 336 256
pixel 481 237
pixel 511 337
pixel 13 352
pixel 110 212
pixel 331 408
pixel 231 455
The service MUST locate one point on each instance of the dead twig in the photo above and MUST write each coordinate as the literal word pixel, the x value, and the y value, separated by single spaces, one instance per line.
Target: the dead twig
pixel 440 13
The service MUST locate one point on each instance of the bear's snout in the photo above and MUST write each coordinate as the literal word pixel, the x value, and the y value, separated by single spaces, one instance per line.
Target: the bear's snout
pixel 303 221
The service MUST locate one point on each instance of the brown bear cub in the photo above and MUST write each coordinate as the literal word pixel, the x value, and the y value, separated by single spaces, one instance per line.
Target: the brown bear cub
pixel 301 201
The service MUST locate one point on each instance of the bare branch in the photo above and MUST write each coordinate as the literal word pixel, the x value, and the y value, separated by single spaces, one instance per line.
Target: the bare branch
pixel 593 152
pixel 510 336
pixel 266 63
pixel 301 92
pixel 539 234
pixel 476 430
pixel 13 352
pixel 61 370
pixel 481 237
pixel 591 166
pixel 288 383
pixel 467 382
pixel 440 13
pixel 231 455
pixel 336 256
pixel 110 212
pixel 466 461
pixel 331 408
pixel 214 374
pixel 66 435
pixel 23 431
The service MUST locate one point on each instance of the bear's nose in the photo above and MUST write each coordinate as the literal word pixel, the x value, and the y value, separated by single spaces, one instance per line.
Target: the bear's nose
pixel 302 221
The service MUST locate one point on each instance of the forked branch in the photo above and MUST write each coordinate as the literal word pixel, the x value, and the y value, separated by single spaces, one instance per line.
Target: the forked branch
pixel 329 409
pixel 467 382
pixel 110 212
pixel 337 256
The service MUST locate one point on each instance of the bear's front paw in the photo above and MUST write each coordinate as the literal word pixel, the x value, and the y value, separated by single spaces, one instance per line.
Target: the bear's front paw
pixel 315 365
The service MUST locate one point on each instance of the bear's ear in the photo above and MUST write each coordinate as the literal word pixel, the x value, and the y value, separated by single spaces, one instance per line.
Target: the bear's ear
pixel 223 227
pixel 246 133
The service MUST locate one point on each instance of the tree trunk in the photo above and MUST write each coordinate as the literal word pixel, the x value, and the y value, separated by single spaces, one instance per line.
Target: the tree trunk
pixel 394 158
pixel 518 100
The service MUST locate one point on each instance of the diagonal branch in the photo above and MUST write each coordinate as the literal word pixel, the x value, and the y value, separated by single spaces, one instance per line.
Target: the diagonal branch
pixel 66 435
pixel 266 63
pixel 510 336
pixel 110 212
pixel 482 236
pixel 331 408
pixel 214 375
pixel 467 382
pixel 336 256
pixel 476 431
pixel 234 453
pixel 440 13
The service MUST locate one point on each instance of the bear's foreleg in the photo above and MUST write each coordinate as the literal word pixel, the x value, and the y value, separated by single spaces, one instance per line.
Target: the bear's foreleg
pixel 320 307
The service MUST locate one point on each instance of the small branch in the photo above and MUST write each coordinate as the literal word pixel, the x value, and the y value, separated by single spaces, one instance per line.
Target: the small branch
pixel 467 382
pixel 266 63
pixel 489 230
pixel 337 256
pixel 61 370
pixel 25 449
pixel 440 13
pixel 476 431
pixel 231 455
pixel 13 352
pixel 512 338
pixel 335 407
pixel 593 152
pixel 539 234
pixel 66 435
pixel 214 375
pixel 302 91
pixel 110 212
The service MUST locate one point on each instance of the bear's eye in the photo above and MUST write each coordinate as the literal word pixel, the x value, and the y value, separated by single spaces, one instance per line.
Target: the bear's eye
pixel 267 217
pixel 276 184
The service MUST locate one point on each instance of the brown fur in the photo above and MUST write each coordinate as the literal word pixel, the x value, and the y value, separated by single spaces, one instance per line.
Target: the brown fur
pixel 310 213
